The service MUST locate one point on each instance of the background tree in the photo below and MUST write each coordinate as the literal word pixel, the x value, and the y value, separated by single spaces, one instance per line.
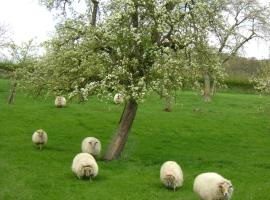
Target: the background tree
pixel 22 56
pixel 238 22
pixel 196 48
pixel 5 35
pixel 262 80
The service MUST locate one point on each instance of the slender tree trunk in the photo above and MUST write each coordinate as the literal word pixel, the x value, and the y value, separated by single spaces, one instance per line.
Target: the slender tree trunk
pixel 168 103
pixel 94 13
pixel 118 142
pixel 213 90
pixel 12 93
pixel 207 87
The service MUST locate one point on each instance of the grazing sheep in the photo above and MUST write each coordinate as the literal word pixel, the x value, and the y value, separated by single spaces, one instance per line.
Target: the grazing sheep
pixel 91 145
pixel 60 101
pixel 84 166
pixel 118 98
pixel 40 138
pixel 171 175
pixel 212 186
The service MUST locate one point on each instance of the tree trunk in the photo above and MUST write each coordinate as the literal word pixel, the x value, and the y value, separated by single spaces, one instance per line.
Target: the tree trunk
pixel 213 90
pixel 207 87
pixel 168 103
pixel 94 13
pixel 12 93
pixel 118 142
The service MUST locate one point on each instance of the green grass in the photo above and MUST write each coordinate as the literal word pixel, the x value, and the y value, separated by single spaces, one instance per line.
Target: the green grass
pixel 231 136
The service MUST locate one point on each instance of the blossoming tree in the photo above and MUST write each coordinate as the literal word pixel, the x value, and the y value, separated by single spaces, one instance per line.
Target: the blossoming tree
pixel 134 47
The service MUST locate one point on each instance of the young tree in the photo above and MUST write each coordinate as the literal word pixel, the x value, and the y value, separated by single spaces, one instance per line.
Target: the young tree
pixel 138 46
pixel 22 56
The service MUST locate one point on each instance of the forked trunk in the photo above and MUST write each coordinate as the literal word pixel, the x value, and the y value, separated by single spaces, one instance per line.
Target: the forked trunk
pixel 168 103
pixel 119 140
pixel 207 87
pixel 12 93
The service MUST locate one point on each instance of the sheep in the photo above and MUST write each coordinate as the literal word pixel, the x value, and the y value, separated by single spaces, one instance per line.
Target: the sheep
pixel 60 101
pixel 40 138
pixel 84 166
pixel 212 186
pixel 118 98
pixel 91 145
pixel 171 175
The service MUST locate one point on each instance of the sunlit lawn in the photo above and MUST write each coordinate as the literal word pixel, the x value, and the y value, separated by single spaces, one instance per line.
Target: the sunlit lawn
pixel 230 135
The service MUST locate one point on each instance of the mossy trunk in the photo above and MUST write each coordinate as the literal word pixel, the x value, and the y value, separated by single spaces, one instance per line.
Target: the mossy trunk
pixel 119 140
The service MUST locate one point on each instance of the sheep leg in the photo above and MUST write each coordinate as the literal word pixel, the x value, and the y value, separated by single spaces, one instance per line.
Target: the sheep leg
pixel 40 146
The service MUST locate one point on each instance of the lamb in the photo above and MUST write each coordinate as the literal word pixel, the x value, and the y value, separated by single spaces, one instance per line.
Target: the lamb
pixel 212 186
pixel 118 98
pixel 171 175
pixel 84 166
pixel 91 145
pixel 40 138
pixel 60 101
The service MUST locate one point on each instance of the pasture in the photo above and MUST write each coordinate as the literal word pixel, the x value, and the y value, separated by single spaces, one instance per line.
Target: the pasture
pixel 230 135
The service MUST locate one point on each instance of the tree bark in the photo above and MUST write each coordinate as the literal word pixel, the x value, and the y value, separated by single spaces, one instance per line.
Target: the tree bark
pixel 213 89
pixel 168 104
pixel 119 140
pixel 12 93
pixel 207 87
pixel 94 13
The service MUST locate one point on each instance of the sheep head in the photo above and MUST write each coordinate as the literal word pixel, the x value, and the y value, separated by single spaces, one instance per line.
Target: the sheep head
pixel 226 189
pixel 171 182
pixel 40 134
pixel 88 171
pixel 93 144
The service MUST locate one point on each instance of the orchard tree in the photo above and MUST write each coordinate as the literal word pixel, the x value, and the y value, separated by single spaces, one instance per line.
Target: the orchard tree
pixel 261 80
pixel 22 56
pixel 138 46
pixel 238 22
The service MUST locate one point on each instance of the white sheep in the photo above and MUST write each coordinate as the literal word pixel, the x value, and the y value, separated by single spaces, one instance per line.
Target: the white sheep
pixel 84 166
pixel 91 145
pixel 40 138
pixel 60 101
pixel 171 175
pixel 212 186
pixel 118 98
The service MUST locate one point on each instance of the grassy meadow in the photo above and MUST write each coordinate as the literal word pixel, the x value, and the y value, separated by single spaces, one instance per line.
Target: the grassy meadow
pixel 230 135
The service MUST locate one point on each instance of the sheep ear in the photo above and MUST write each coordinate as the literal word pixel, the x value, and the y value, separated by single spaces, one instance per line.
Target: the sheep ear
pixel 230 184
pixel 220 185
